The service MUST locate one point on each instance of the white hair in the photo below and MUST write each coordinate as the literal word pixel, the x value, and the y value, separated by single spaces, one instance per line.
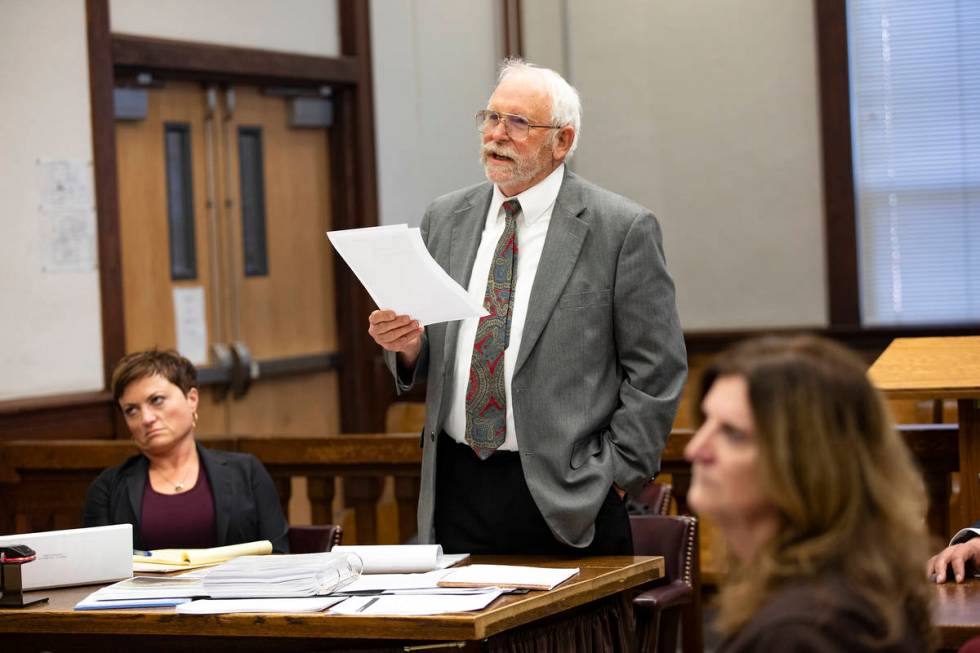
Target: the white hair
pixel 566 108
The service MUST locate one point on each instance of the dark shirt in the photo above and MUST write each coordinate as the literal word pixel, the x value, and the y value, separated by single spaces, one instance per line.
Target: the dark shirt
pixel 823 616
pixel 178 521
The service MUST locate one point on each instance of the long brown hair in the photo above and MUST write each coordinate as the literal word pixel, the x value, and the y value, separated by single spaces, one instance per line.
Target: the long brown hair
pixel 849 497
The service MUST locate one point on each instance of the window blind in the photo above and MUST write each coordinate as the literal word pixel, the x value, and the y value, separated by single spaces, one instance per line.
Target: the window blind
pixel 915 116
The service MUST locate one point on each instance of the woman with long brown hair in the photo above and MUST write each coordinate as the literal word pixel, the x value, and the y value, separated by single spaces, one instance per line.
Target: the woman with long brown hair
pixel 818 499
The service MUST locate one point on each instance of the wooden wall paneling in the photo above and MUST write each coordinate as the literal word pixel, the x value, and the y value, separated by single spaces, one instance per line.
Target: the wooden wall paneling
pixel 228 63
pixel 84 415
pixel 838 174
pixel 356 205
pixel 101 84
pixel 42 484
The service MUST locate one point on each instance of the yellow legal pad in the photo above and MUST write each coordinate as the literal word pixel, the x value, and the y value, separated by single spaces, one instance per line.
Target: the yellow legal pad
pixel 182 559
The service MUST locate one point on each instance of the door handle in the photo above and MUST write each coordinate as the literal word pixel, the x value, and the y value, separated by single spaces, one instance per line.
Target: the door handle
pixel 219 374
pixel 244 370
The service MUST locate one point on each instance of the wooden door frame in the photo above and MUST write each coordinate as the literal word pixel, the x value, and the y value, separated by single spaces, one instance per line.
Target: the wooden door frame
pixel 353 183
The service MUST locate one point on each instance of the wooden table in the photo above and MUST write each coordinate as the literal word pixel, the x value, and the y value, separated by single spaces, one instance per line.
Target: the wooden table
pixel 956 613
pixel 56 627
pixel 941 368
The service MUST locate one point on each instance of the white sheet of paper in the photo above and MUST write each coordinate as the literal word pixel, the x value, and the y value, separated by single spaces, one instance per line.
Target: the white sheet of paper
pixel 68 242
pixel 416 604
pixel 399 273
pixel 224 606
pixel 380 582
pixel 401 558
pixel 154 568
pixel 66 183
pixel 153 587
pixel 508 576
pixel 191 323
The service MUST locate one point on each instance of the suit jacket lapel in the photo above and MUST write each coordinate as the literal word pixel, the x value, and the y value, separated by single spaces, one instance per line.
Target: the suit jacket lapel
pixel 467 226
pixel 566 233
pixel 221 489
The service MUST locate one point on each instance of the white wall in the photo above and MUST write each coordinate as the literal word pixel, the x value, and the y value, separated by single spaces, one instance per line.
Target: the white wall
pixel 50 329
pixel 707 113
pixel 434 68
pixel 297 26
pixel 544 28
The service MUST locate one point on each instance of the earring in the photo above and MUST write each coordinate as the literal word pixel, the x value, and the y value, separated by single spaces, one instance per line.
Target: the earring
pixel 194 417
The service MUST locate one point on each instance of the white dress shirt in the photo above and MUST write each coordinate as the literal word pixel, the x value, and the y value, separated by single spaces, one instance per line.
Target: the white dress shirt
pixel 537 203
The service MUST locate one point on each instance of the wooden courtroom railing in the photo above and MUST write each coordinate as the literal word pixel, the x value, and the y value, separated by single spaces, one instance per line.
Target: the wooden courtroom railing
pixel 43 483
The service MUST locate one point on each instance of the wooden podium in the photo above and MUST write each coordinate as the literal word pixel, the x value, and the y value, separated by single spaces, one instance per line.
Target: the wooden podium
pixel 941 368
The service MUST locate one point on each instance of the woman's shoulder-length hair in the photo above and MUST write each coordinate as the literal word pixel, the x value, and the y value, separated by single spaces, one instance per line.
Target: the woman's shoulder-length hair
pixel 849 497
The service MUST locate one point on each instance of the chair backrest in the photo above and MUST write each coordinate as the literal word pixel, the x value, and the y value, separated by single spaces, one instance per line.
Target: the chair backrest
pixel 654 499
pixel 314 539
pixel 675 537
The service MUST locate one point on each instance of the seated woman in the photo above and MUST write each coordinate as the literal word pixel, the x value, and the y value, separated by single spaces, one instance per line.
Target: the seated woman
pixel 817 498
pixel 176 493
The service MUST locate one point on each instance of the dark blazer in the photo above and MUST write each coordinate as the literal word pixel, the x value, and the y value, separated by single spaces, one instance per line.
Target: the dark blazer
pixel 602 361
pixel 246 505
pixel 819 616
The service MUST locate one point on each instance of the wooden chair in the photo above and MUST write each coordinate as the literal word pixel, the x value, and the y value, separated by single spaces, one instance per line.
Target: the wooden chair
pixel 314 539
pixel 659 610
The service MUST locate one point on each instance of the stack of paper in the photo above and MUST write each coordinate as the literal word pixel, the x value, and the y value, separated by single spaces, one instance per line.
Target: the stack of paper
pixel 534 578
pixel 144 592
pixel 225 606
pixel 180 559
pixel 307 574
pixel 402 558
pixel 376 583
pixel 417 604
pixel 399 273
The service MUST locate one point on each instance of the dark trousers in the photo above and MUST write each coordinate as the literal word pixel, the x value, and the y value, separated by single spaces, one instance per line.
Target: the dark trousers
pixel 484 506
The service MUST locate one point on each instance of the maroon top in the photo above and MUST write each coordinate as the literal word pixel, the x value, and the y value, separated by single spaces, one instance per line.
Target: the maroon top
pixel 179 521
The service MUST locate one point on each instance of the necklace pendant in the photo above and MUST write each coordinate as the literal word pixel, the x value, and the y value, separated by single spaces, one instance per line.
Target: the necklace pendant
pixel 179 487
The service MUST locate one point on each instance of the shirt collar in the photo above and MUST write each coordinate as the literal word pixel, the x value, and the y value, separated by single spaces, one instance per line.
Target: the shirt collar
pixel 536 200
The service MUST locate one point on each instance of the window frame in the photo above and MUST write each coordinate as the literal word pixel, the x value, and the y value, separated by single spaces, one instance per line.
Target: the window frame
pixel 840 212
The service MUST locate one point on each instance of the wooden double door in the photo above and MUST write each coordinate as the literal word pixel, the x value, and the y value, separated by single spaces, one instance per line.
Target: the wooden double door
pixel 224 202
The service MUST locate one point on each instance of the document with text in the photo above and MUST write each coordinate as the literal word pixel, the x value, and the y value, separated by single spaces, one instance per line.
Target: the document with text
pixel 398 272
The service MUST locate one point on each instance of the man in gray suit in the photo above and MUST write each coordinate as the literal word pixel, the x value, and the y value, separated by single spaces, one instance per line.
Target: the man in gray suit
pixel 534 456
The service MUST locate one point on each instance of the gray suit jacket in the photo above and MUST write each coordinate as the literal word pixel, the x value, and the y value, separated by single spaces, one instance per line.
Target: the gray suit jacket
pixel 602 358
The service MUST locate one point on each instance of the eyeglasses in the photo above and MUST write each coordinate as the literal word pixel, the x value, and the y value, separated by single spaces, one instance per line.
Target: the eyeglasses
pixel 517 127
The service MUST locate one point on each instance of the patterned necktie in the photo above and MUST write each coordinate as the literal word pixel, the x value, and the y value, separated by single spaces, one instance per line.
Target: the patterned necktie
pixel 486 403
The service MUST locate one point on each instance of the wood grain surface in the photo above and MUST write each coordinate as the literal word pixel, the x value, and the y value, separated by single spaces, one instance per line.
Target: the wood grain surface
pixel 927 368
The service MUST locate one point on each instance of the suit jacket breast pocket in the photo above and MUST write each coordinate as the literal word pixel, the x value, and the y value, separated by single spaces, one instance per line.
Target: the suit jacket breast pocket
pixel 585 299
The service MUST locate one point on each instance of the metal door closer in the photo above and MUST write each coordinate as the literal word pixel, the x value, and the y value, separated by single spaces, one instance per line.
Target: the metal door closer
pixel 11 560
